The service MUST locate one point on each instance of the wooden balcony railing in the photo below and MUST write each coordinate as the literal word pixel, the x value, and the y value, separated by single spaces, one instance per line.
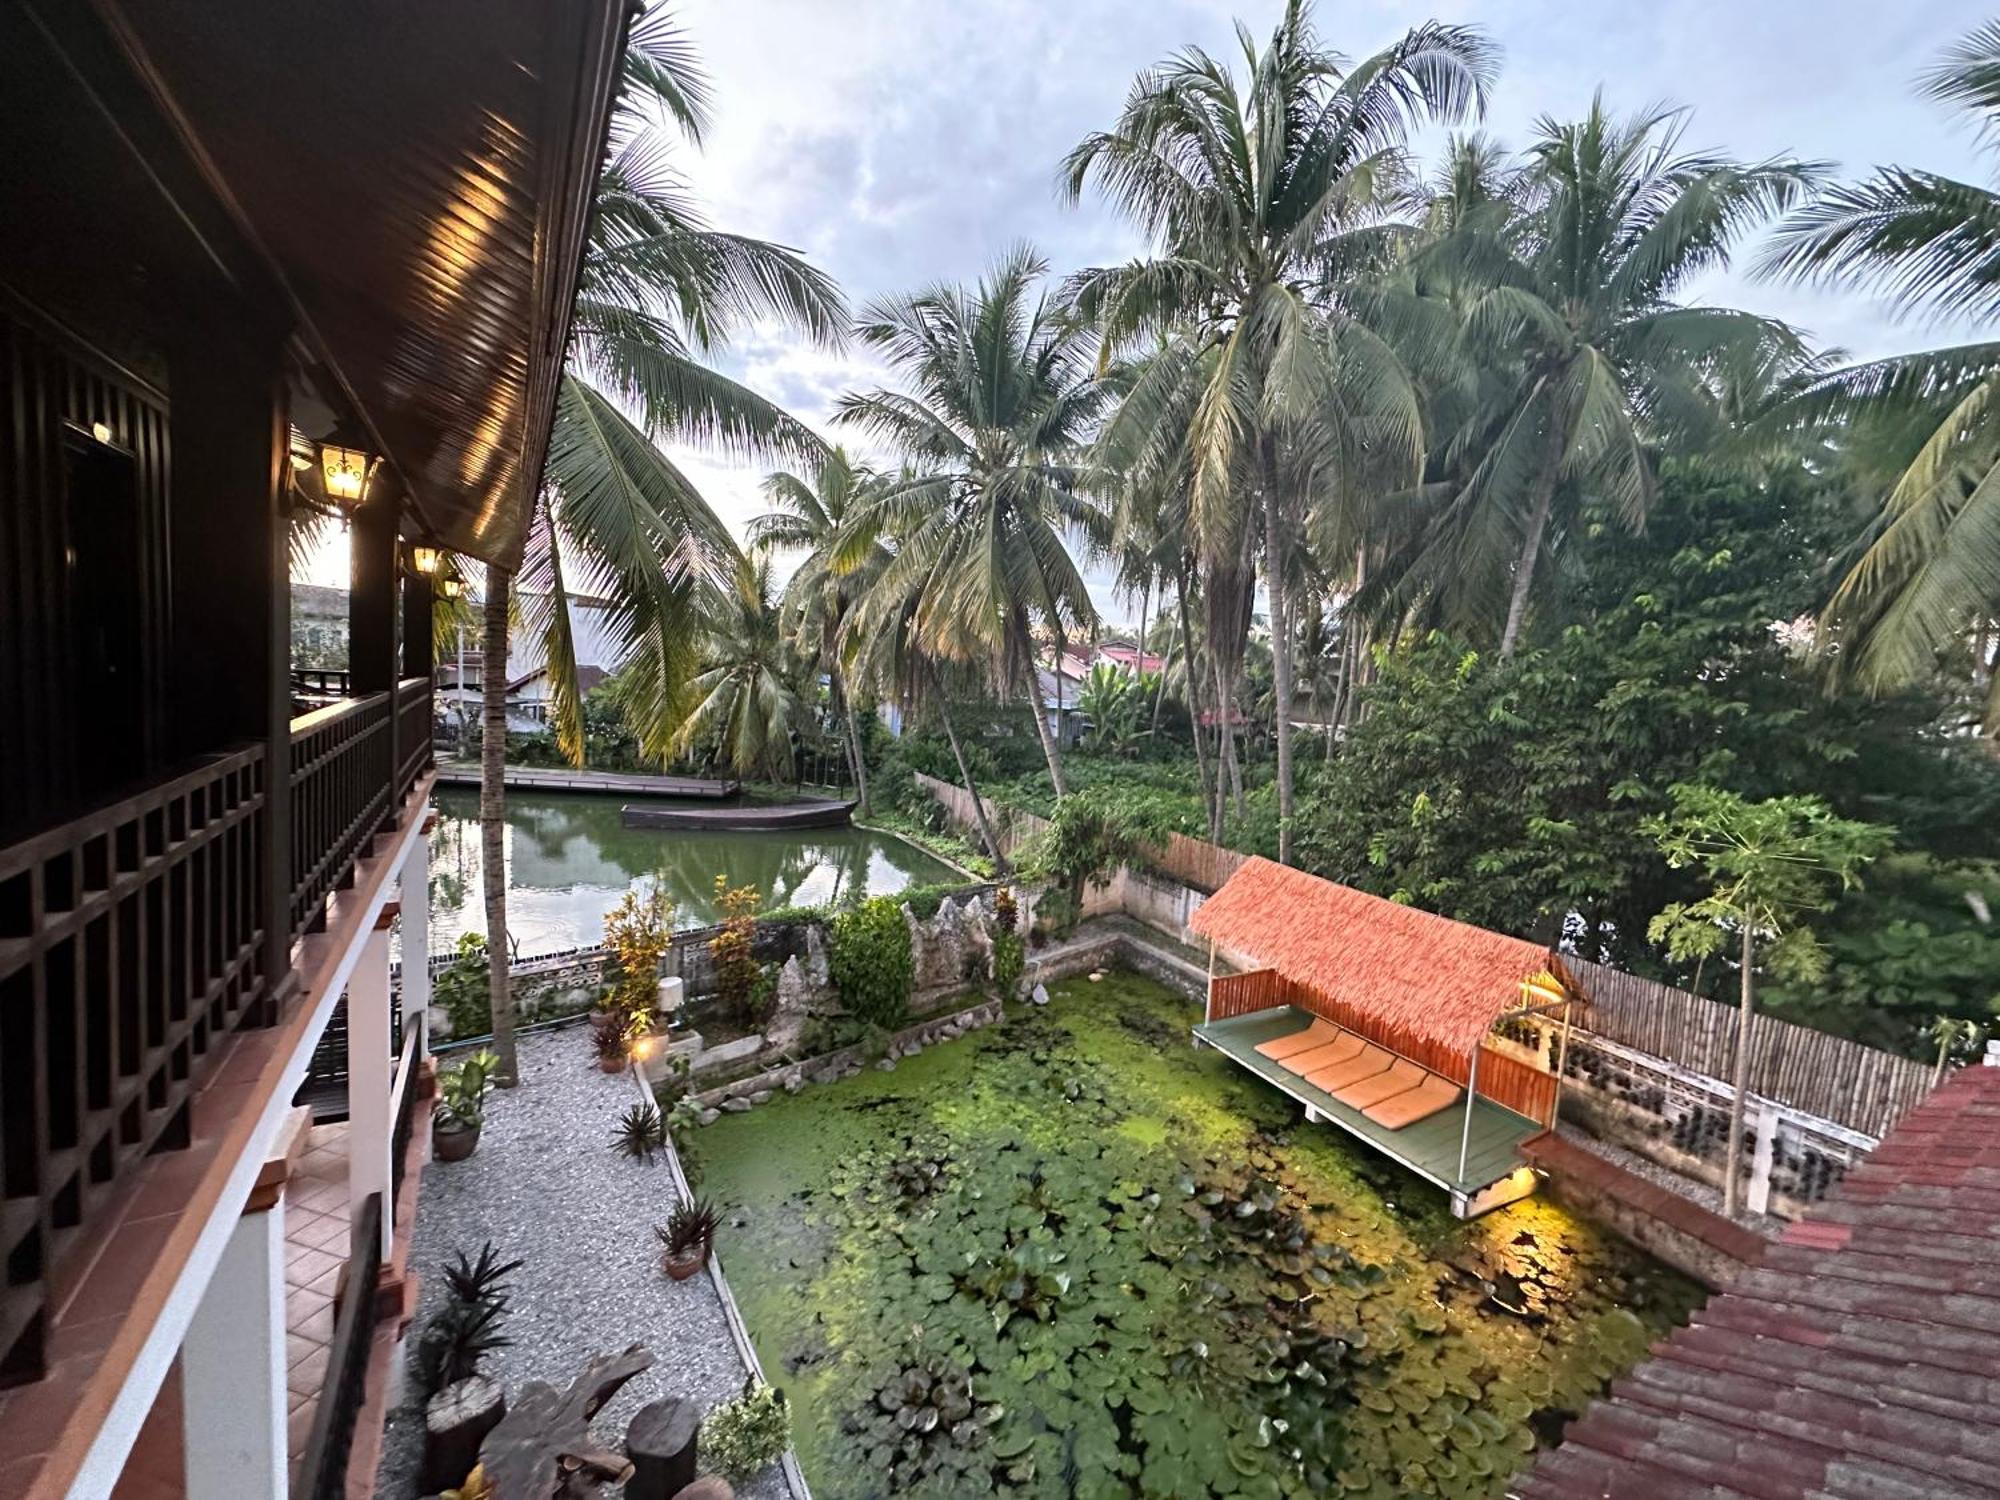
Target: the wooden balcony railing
pixel 413 731
pixel 332 681
pixel 130 943
pixel 342 779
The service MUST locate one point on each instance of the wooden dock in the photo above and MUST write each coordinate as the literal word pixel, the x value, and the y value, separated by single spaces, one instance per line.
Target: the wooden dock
pixel 1430 1148
pixel 618 783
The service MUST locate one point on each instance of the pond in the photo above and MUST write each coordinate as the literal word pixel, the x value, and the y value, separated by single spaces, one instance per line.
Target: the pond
pixel 569 861
pixel 1071 1255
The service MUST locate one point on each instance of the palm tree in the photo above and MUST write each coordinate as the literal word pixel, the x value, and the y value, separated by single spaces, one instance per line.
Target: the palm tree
pixel 744 698
pixel 811 517
pixel 1573 354
pixel 1001 396
pixel 1264 201
pixel 657 291
pixel 1928 579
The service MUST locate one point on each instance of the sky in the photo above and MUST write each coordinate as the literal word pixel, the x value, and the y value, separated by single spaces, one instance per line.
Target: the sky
pixel 902 142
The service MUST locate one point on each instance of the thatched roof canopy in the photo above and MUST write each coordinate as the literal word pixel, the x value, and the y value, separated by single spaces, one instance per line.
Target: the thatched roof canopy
pixel 1420 974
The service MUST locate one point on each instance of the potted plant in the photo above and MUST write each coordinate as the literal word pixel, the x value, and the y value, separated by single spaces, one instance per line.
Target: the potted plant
pixel 461 1106
pixel 686 1238
pixel 608 1041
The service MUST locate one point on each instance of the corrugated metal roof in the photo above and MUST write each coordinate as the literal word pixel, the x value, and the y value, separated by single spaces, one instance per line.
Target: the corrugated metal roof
pixel 1859 1361
pixel 1430 977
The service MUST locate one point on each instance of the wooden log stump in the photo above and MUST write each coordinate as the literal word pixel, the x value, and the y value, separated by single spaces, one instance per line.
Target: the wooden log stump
pixel 543 1446
pixel 706 1488
pixel 660 1443
pixel 456 1421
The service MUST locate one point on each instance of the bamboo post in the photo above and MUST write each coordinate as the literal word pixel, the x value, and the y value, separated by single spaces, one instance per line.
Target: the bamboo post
pixel 1465 1136
pixel 1562 1065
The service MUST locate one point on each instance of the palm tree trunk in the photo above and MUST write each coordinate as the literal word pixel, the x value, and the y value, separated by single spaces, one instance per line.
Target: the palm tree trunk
pixel 1531 544
pixel 1051 748
pixel 1225 749
pixel 1733 1158
pixel 1281 658
pixel 1159 687
pixel 493 820
pixel 852 738
pixel 965 776
pixel 1194 706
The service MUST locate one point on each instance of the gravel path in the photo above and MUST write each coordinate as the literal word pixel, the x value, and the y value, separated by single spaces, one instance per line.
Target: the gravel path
pixel 547 1188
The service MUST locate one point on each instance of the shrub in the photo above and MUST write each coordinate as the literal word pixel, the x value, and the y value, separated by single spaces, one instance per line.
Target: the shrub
pixel 462 989
pixel 467 1328
pixel 870 962
pixel 671 1090
pixel 1010 957
pixel 734 949
pixel 638 933
pixel 640 1131
pixel 1006 914
pixel 742 1437
pixel 461 1101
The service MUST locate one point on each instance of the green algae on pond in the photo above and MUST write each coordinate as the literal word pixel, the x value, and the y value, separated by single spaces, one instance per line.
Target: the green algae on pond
pixel 1071 1255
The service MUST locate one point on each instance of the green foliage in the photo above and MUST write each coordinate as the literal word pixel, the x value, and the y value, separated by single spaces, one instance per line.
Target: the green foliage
pixel 463 988
pixel 638 934
pixel 1768 865
pixel 869 960
pixel 745 1436
pixel 1061 1260
pixel 671 1091
pixel 1010 957
pixel 1918 942
pixel 462 1090
pixel 1092 832
pixel 1116 703
pixel 1512 794
pixel 734 950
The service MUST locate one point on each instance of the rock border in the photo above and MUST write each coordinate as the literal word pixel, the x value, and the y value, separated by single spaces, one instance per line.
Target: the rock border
pixel 830 1067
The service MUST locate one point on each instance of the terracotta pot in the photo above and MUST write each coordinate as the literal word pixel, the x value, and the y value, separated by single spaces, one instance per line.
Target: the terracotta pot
pixel 453 1144
pixel 611 1064
pixel 686 1264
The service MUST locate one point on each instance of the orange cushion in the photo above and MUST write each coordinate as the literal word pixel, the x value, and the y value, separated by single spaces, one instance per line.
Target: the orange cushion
pixel 1419 1103
pixel 1400 1079
pixel 1346 1048
pixel 1370 1061
pixel 1316 1035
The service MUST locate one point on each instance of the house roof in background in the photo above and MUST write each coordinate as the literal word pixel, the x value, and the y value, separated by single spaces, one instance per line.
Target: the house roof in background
pixel 1427 976
pixel 1859 1361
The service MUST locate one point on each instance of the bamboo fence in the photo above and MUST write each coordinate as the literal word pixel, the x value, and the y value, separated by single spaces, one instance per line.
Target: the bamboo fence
pixel 1861 1087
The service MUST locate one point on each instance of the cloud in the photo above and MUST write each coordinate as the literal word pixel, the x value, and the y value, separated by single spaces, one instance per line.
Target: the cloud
pixel 902 142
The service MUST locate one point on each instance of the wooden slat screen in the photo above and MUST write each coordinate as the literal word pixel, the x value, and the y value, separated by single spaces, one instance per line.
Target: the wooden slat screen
pixel 1244 994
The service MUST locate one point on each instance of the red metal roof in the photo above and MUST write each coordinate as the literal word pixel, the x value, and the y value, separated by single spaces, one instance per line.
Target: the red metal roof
pixel 1430 977
pixel 1860 1361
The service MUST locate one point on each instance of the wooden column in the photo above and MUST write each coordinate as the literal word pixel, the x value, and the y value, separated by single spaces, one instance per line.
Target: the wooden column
pixel 374 609
pixel 370 1078
pixel 230 547
pixel 419 592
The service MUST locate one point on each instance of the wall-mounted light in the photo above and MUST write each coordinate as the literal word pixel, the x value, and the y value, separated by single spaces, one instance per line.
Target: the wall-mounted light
pixel 424 560
pixel 451 588
pixel 346 472
pixel 101 431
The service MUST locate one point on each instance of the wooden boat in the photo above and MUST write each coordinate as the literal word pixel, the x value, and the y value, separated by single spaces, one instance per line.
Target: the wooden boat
pixel 751 818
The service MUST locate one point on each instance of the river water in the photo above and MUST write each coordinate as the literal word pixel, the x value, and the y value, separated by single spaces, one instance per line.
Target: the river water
pixel 569 860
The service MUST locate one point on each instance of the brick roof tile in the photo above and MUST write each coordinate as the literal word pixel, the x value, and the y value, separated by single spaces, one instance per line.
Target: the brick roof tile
pixel 1861 1361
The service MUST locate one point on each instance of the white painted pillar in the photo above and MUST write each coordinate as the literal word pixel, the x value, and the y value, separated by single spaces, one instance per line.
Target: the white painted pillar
pixel 233 1404
pixel 1758 1200
pixel 369 1076
pixel 415 893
